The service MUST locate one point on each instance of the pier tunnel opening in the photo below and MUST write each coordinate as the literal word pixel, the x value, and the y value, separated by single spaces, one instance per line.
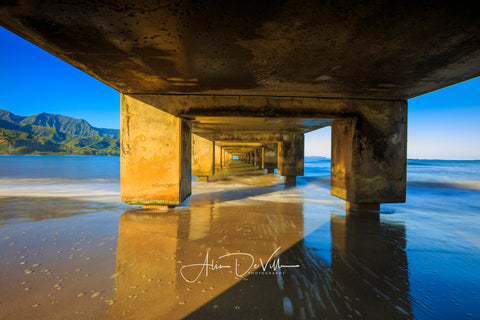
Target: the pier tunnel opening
pixel 317 164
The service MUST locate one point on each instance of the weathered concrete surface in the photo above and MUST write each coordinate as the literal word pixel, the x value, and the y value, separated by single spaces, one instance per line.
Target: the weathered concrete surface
pixel 223 157
pixel 255 118
pixel 290 181
pixel 368 49
pixel 228 157
pixel 203 156
pixel 270 156
pixel 262 155
pixel 291 155
pixel 155 155
pixel 369 154
pixel 254 72
pixel 257 158
pixel 218 156
pixel 352 207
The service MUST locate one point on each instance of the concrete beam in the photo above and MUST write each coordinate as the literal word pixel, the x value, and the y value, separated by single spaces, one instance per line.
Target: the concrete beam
pixel 203 157
pixel 155 155
pixel 366 49
pixel 239 144
pixel 304 112
pixel 242 137
pixel 369 155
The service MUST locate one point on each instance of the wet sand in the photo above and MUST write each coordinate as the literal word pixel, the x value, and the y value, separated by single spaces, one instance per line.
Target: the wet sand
pixel 219 255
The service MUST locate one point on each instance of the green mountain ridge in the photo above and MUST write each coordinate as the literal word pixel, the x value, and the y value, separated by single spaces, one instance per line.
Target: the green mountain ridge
pixel 55 134
pixel 60 123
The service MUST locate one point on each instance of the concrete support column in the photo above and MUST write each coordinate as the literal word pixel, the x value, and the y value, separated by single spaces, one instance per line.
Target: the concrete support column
pixel 369 156
pixel 223 157
pixel 203 158
pixel 218 158
pixel 259 158
pixel 291 157
pixel 270 157
pixel 263 157
pixel 155 155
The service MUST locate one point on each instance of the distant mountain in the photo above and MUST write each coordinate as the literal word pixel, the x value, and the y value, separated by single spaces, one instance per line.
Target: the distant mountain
pixel 60 123
pixel 55 134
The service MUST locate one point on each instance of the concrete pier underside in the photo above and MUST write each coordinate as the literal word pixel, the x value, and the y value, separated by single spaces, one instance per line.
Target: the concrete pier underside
pixel 250 79
pixel 368 142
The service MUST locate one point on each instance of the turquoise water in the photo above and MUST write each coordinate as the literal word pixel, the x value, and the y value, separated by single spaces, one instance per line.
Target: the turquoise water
pixel 417 260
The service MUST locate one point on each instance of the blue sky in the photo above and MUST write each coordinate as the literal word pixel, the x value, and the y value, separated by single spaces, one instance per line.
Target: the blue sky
pixel 444 124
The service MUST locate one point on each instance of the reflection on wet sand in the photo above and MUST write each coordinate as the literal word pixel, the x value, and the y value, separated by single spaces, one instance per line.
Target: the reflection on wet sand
pixel 368 279
pixel 161 271
pixel 146 266
pixel 370 267
pixel 153 248
pixel 29 209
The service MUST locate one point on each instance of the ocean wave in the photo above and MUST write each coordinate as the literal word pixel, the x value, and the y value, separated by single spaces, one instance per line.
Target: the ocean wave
pixel 103 190
pixel 57 180
pixel 458 185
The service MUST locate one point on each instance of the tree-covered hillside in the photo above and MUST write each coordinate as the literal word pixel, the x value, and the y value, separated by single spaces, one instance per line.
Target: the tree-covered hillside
pixel 54 134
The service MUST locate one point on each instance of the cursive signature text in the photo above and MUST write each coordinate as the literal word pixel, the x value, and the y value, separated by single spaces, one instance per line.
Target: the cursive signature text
pixel 241 267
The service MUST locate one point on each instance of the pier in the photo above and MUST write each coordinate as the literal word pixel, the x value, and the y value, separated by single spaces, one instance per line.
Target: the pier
pixel 203 82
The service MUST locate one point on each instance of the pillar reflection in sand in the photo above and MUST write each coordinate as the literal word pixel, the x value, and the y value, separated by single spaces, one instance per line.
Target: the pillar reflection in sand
pixel 153 248
pixel 146 265
pixel 367 279
pixel 369 265
pixel 161 272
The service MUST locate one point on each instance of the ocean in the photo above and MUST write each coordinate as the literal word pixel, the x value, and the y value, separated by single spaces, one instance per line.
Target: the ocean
pixel 243 247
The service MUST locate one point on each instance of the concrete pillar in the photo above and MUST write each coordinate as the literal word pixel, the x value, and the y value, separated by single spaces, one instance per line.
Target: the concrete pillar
pixel 262 154
pixel 369 156
pixel 155 155
pixel 270 157
pixel 291 157
pixel 290 181
pixel 203 157
pixel 218 157
pixel 259 158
